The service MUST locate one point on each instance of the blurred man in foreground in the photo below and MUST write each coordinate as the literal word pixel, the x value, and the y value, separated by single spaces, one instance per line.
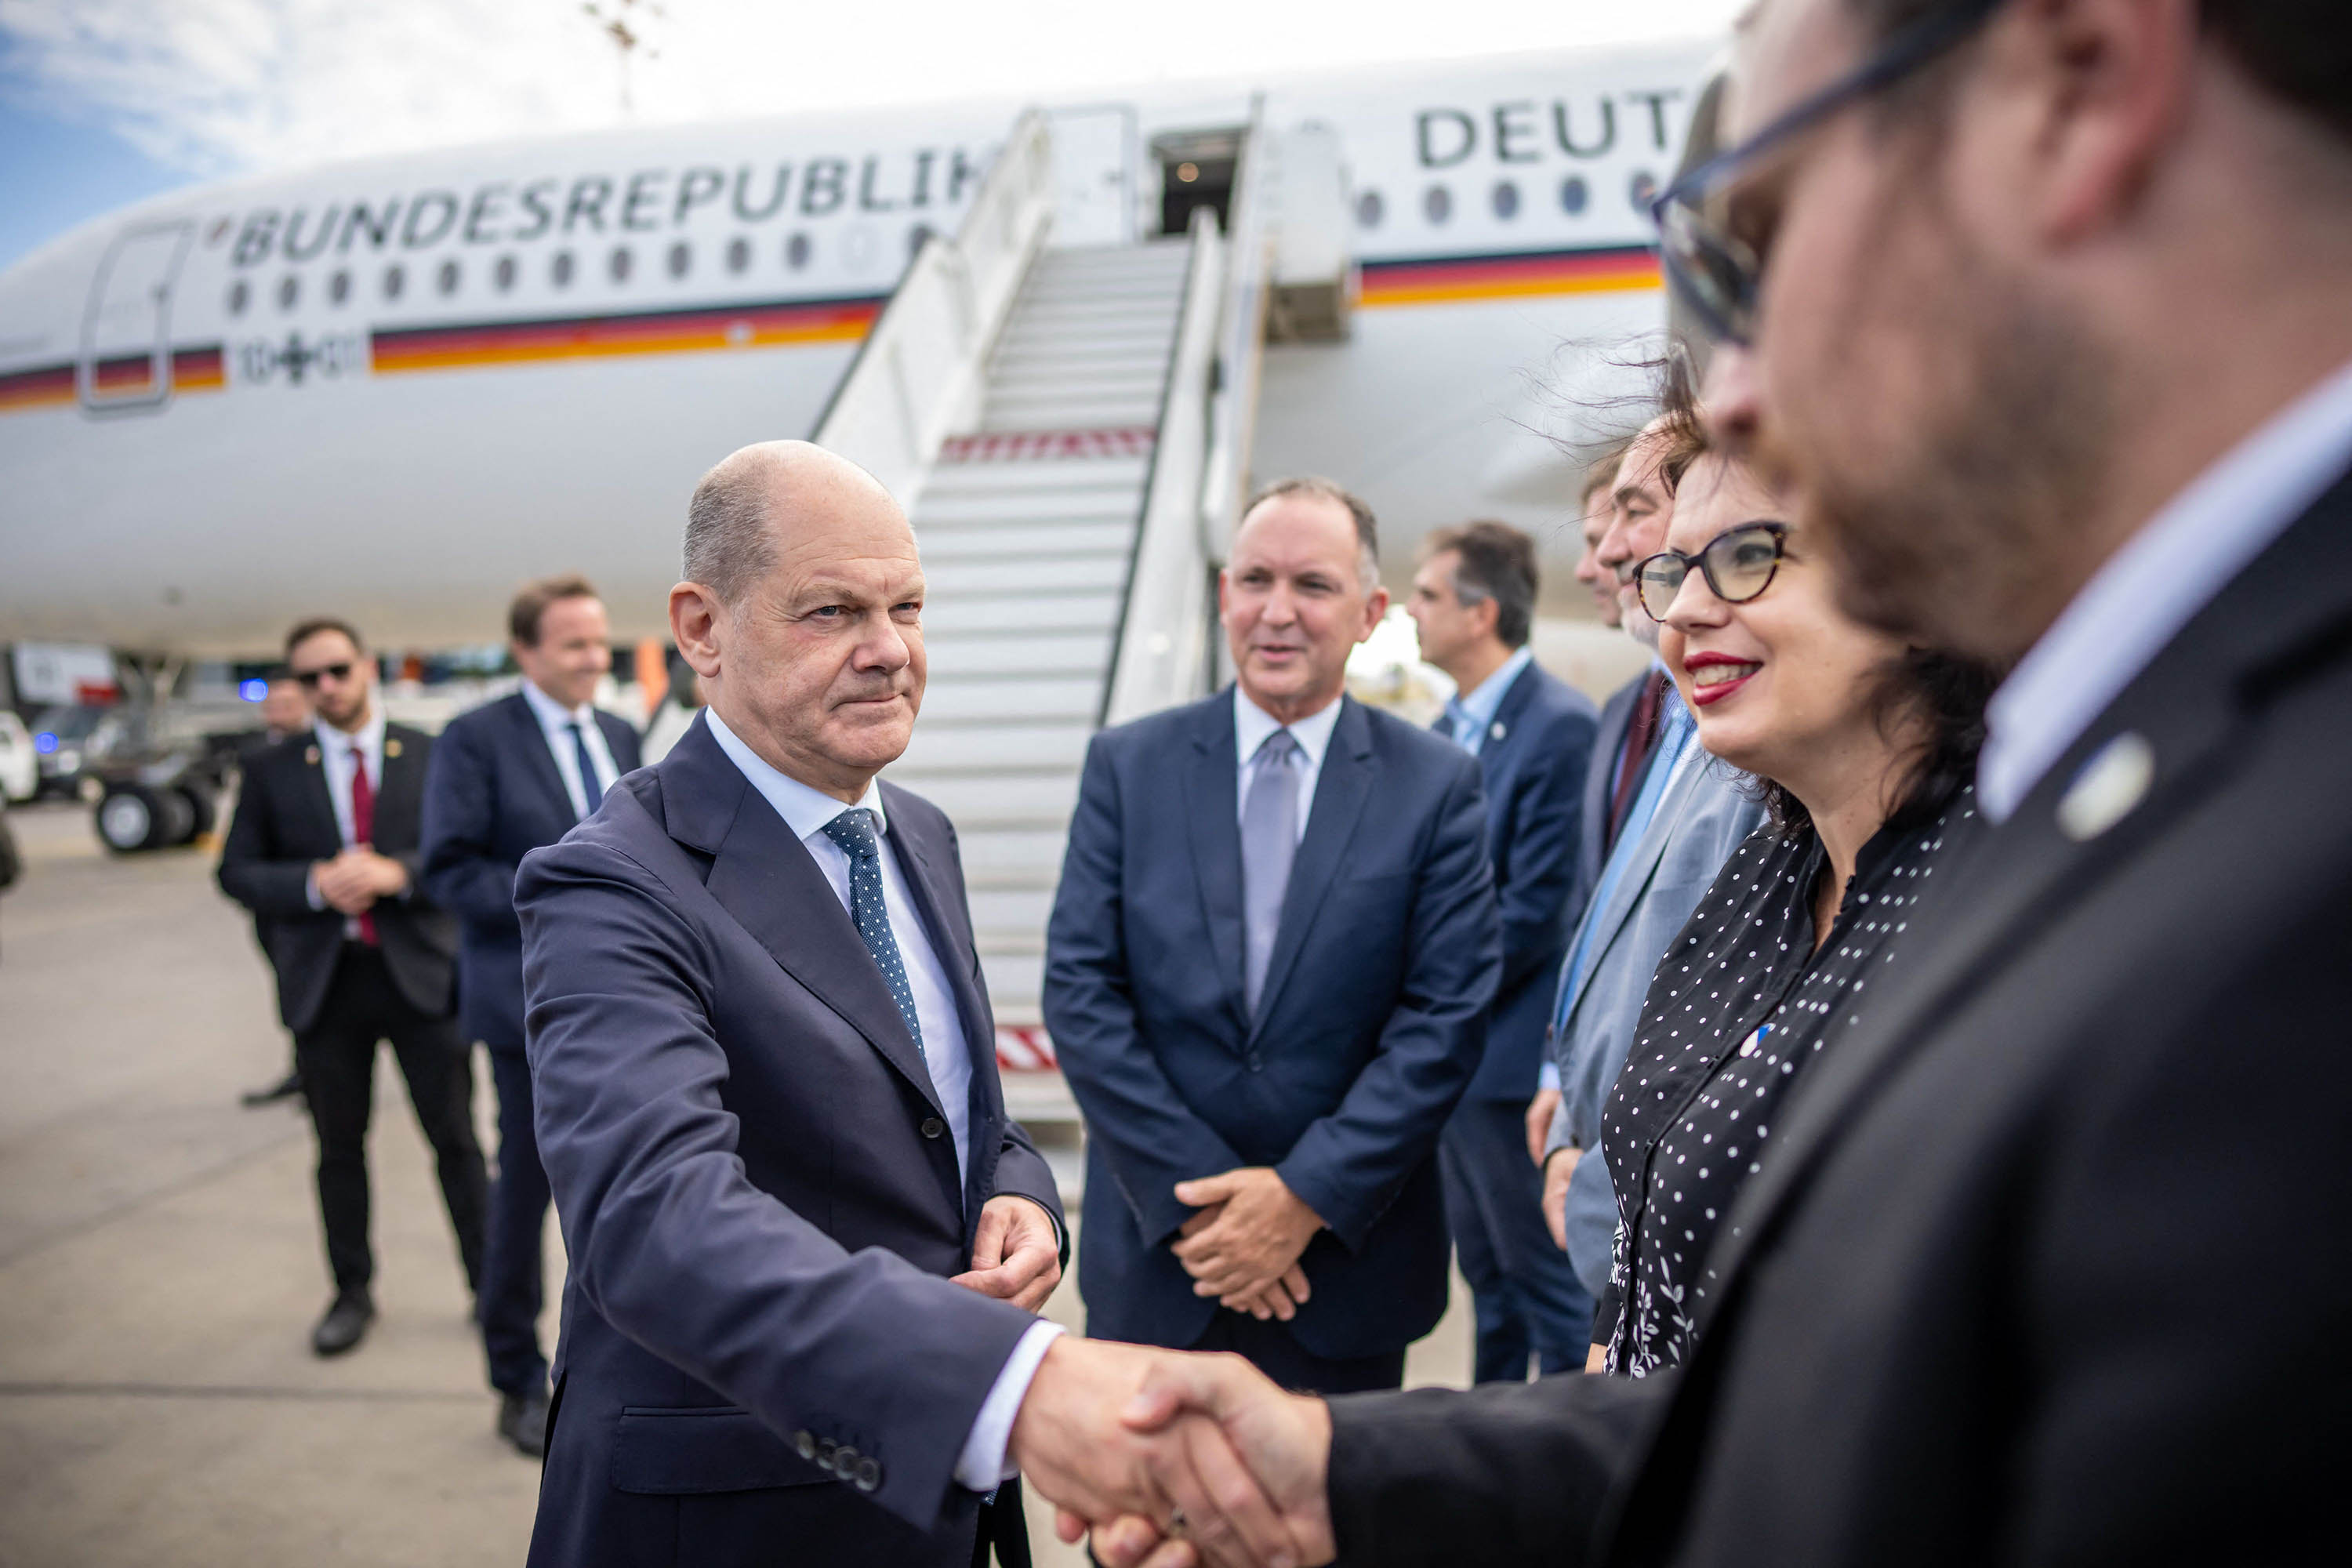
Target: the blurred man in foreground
pixel 1955 1320
pixel 1267 977
pixel 324 849
pixel 1473 602
pixel 806 1243
pixel 507 778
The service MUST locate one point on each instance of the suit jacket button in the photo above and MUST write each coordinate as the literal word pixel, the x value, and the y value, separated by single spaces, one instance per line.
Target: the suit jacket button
pixel 804 1445
pixel 1257 1063
pixel 933 1127
pixel 825 1453
pixel 845 1461
pixel 869 1475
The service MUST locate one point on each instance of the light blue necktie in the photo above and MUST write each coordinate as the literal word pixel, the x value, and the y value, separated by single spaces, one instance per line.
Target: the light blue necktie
pixel 1674 730
pixel 1269 844
pixel 854 831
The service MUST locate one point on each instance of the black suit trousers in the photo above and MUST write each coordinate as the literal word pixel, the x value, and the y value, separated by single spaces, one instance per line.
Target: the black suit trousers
pixel 337 1057
pixel 513 1278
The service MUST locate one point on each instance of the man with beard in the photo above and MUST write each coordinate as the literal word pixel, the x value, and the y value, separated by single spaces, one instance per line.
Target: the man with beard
pixel 2039 305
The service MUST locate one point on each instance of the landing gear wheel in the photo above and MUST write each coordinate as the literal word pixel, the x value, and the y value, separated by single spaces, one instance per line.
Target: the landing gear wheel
pixel 134 817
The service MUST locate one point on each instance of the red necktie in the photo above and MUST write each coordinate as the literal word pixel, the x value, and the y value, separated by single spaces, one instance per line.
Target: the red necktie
pixel 363 825
pixel 1640 734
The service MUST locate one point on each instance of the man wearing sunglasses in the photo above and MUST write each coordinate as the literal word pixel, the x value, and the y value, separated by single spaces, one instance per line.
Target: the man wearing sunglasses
pixel 323 850
pixel 2039 308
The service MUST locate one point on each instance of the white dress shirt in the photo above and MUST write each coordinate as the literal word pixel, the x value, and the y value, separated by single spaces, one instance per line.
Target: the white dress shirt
pixel 1252 724
pixel 338 755
pixel 555 721
pixel 981 1465
pixel 2153 586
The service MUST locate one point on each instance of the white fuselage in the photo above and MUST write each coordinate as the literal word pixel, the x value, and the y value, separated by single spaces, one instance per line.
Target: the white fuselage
pixel 394 389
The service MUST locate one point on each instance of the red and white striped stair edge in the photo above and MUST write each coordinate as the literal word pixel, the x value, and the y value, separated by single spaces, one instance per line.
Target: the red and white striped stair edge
pixel 1009 446
pixel 1025 1048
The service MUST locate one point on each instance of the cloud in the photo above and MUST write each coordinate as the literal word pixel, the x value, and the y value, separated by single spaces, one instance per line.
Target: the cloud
pixel 217 87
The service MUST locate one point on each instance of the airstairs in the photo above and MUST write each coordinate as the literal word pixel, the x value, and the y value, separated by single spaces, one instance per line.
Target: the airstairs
pixel 1069 426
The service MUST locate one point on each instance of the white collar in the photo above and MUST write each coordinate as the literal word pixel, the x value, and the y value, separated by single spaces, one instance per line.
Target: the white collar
pixel 1252 724
pixel 804 810
pixel 368 739
pixel 554 715
pixel 2174 565
pixel 1481 701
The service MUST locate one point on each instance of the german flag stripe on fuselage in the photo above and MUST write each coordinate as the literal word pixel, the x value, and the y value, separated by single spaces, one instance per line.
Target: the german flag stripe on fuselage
pixel 201 369
pixel 697 330
pixel 1440 279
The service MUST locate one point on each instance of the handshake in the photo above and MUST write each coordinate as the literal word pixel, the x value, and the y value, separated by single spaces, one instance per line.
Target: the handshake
pixel 1173 1459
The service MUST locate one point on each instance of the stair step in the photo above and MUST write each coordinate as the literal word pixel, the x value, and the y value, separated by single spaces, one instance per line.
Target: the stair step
pixel 1037 612
pixel 1016 982
pixel 1025 577
pixel 1010 747
pixel 972 514
pixel 1011 540
pixel 978 802
pixel 1008 855
pixel 1074 698
pixel 956 658
pixel 1044 477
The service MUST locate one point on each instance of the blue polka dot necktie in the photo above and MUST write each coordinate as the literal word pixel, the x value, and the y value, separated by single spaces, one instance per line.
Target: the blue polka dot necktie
pixel 854 831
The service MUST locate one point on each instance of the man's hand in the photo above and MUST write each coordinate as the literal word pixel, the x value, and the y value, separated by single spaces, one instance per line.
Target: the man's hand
pixel 1284 1439
pixel 1015 1255
pixel 354 881
pixel 1252 1238
pixel 1277 1298
pixel 1556 1172
pixel 1081 1441
pixel 1540 1110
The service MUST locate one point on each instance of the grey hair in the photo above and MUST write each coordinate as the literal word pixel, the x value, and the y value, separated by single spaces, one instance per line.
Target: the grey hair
pixel 729 542
pixel 1368 534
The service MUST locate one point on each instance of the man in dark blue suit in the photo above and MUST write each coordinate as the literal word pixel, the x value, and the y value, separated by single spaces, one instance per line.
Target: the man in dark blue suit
pixel 505 779
pixel 806 1243
pixel 1474 602
pixel 1267 977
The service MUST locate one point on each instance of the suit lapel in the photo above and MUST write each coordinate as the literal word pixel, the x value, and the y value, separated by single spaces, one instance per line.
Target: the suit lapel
pixel 939 901
pixel 1647 851
pixel 2190 706
pixel 1213 825
pixel 538 761
pixel 1346 778
pixel 765 879
pixel 319 795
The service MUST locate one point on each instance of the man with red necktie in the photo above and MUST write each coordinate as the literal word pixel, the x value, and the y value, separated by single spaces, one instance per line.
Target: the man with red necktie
pixel 325 850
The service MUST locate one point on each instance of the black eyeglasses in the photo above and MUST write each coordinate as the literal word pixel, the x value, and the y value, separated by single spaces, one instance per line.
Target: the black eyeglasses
pixel 1715 271
pixel 310 678
pixel 1739 564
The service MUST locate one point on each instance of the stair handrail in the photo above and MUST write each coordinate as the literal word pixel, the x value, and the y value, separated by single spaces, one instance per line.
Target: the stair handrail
pixel 1160 643
pixel 918 373
pixel 1240 341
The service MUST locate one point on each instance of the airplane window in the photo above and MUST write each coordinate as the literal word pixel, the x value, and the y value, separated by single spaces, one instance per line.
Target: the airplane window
pixel 739 254
pixel 619 262
pixel 1573 194
pixel 558 270
pixel 1643 190
pixel 339 287
pixel 1370 209
pixel 1507 199
pixel 395 280
pixel 448 279
pixel 505 272
pixel 239 295
pixel 796 252
pixel 681 258
pixel 1437 203
pixel 289 288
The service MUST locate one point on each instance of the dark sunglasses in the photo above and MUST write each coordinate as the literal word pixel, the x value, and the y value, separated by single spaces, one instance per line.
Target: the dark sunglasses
pixel 1715 271
pixel 310 678
pixel 1739 564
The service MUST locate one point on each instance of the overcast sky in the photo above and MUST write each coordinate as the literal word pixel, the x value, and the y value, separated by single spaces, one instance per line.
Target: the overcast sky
pixel 102 101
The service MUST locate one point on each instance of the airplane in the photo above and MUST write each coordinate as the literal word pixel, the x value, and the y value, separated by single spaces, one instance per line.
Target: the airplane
pixel 395 387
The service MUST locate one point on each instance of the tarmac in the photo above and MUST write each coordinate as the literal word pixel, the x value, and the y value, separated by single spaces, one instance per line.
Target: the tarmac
pixel 160 1264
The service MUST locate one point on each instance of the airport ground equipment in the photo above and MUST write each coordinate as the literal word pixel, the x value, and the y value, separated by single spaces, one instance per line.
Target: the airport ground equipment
pixel 1070 422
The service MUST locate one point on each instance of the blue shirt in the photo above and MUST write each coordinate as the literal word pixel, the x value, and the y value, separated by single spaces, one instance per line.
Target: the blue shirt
pixel 1471 712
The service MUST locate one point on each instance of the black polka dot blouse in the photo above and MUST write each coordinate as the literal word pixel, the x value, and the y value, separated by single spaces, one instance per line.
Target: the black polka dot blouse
pixel 1741 1004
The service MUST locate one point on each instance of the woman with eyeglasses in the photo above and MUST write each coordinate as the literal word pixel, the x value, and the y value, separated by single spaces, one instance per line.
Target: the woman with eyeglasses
pixel 1862 748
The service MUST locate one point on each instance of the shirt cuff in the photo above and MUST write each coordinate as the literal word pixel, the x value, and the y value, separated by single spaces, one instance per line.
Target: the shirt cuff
pixel 311 889
pixel 1548 1075
pixel 982 1467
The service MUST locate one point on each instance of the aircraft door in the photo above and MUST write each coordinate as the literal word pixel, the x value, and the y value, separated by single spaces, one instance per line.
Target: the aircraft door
pixel 126 333
pixel 1093 176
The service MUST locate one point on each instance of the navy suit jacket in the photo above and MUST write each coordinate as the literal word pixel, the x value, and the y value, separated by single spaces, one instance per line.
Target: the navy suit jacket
pixel 758 1190
pixel 1370 1025
pixel 491 796
pixel 1536 758
pixel 1600 786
